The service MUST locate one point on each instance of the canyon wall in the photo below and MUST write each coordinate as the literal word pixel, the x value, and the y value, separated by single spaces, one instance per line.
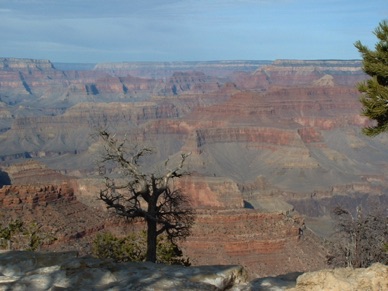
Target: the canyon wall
pixel 266 138
pixel 290 121
pixel 264 243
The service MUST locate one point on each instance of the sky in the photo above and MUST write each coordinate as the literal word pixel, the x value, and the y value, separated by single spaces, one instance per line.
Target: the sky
pixel 95 31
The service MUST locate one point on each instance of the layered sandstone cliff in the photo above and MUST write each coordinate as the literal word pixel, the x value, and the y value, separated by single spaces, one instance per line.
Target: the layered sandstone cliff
pixel 264 243
pixel 56 212
pixel 283 135
pixel 224 231
pixel 29 197
pixel 157 70
pixel 303 117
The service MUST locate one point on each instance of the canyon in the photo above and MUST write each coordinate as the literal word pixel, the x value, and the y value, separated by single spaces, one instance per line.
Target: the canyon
pixel 274 144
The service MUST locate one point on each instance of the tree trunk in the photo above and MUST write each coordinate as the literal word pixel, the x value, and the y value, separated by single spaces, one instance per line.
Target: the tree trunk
pixel 151 230
pixel 151 241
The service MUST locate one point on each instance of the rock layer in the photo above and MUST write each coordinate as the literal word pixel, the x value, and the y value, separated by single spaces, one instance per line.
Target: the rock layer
pixel 269 138
pixel 264 243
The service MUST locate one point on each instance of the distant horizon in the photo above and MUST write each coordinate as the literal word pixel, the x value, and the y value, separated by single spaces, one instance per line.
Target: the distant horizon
pixel 198 61
pixel 99 31
pixel 210 61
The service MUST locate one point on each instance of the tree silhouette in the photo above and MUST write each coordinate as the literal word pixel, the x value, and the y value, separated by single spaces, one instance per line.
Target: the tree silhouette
pixel 135 193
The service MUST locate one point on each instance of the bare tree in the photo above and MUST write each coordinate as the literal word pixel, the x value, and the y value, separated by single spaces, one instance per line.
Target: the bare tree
pixel 360 239
pixel 149 196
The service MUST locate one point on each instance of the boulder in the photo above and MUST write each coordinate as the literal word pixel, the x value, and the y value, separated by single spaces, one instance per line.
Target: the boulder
pixel 374 278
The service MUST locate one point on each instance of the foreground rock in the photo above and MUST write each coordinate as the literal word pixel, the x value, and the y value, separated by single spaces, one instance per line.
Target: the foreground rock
pixel 372 278
pixel 58 271
pixel 21 270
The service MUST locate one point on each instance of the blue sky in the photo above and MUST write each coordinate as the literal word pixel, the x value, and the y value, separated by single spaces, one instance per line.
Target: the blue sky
pixel 187 30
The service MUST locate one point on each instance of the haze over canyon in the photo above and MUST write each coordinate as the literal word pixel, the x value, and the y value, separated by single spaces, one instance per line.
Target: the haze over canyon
pixel 273 143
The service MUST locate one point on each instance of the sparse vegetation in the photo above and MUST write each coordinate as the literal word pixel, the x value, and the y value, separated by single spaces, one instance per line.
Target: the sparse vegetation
pixel 132 248
pixel 360 240
pixel 18 235
pixel 126 249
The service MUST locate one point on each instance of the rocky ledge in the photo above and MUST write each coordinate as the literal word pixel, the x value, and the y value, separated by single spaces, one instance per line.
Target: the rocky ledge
pixel 66 271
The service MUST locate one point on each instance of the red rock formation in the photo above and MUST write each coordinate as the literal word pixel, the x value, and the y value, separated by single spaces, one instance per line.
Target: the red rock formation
pixel 194 82
pixel 270 130
pixel 34 173
pixel 245 134
pixel 296 124
pixel 310 135
pixel 28 197
pixel 214 193
pixel 266 244
pixel 56 211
